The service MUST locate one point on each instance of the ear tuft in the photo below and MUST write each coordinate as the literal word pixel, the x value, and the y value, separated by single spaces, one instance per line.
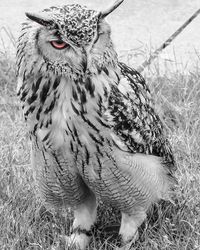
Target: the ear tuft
pixel 40 19
pixel 110 9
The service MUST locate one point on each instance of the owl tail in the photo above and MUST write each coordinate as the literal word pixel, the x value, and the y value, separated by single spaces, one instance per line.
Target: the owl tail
pixel 149 174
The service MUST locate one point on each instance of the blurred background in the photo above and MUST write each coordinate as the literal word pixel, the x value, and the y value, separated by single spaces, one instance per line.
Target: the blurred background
pixel 138 28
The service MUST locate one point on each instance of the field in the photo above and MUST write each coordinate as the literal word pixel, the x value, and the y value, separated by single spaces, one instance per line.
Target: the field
pixel 26 224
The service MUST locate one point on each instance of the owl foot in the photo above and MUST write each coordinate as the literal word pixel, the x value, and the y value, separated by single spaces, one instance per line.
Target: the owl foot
pixel 77 241
pixel 127 246
pixel 129 227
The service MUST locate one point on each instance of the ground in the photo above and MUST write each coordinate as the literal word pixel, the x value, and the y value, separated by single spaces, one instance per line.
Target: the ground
pixel 27 224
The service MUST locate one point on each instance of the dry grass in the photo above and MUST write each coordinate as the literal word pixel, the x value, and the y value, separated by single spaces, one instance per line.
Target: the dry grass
pixel 26 224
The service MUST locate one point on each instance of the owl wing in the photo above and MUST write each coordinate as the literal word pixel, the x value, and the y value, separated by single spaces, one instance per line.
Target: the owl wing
pixel 134 122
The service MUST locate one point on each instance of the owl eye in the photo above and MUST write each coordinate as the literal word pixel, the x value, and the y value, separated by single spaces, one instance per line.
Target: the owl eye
pixel 59 44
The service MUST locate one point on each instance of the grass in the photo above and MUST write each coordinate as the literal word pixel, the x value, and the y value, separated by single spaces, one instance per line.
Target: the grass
pixel 26 224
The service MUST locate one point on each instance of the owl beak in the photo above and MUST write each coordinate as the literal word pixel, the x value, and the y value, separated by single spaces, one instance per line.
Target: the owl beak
pixel 40 19
pixel 106 12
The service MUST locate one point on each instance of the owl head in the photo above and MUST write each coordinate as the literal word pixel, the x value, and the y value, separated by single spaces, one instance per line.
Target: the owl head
pixel 68 38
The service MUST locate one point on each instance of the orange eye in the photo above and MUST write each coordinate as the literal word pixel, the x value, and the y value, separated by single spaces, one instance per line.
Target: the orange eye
pixel 59 44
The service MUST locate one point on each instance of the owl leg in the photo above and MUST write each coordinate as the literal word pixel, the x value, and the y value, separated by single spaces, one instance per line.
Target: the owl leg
pixel 129 226
pixel 84 219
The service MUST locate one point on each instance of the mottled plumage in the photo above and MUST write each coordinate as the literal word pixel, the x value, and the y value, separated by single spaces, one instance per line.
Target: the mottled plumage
pixel 93 127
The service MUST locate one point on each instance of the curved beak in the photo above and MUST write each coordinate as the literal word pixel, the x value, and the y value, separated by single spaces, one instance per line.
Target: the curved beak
pixel 110 9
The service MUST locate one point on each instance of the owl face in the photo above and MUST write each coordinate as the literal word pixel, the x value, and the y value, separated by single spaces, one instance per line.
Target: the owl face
pixel 63 35
pixel 67 38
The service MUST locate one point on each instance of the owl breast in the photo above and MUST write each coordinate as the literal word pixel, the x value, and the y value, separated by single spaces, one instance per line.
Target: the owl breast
pixel 77 117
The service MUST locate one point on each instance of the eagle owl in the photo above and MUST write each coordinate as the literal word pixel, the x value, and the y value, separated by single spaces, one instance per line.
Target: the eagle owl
pixel 94 132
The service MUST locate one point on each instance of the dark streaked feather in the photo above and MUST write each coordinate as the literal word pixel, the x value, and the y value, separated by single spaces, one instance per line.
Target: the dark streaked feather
pixel 134 120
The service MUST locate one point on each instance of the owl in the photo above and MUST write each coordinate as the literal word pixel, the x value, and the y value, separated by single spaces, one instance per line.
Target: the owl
pixel 94 132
